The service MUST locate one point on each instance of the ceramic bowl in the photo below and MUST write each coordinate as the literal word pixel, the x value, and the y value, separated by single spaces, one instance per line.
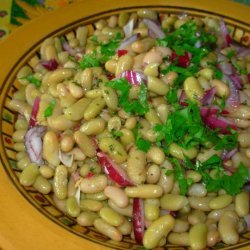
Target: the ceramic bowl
pixel 29 220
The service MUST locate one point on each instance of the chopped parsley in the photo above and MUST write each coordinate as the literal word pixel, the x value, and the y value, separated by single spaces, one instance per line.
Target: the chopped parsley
pixel 141 143
pixel 116 133
pixel 227 142
pixel 89 61
pixel 232 184
pixel 172 96
pixel 33 80
pixel 138 106
pixel 49 110
pixel 185 127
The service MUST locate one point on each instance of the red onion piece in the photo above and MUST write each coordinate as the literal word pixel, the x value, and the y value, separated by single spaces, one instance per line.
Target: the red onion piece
pixel 34 112
pixel 234 97
pixel 182 61
pixel 113 171
pixel 211 118
pixel 128 28
pixel 182 99
pixel 34 145
pixel 138 219
pixel 247 220
pixel 224 65
pixel 227 155
pixel 128 41
pixel 154 28
pixel 122 52
pixel 134 77
pixel 248 78
pixel 237 81
pixel 66 159
pixel 67 48
pixel 208 97
pixel 50 64
pixel 243 52
pixel 224 32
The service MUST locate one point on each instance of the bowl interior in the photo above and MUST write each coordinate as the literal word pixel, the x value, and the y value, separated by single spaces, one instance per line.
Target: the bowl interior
pixel 44 203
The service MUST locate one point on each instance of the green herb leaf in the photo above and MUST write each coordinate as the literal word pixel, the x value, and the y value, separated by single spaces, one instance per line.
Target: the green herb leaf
pixel 139 106
pixel 33 80
pixel 227 142
pixel 179 175
pixel 89 61
pixel 116 133
pixel 142 144
pixel 172 96
pixel 49 110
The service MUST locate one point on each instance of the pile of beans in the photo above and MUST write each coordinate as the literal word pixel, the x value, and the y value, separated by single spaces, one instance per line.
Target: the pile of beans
pixel 85 114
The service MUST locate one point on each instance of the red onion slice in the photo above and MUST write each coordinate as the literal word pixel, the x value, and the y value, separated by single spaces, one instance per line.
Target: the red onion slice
pixel 113 171
pixel 182 61
pixel 237 81
pixel 66 159
pixel 208 97
pixel 134 77
pixel 224 32
pixel 34 112
pixel 227 155
pixel 182 99
pixel 128 28
pixel 248 78
pixel 234 97
pixel 212 120
pixel 154 28
pixel 128 41
pixel 34 145
pixel 224 65
pixel 138 219
pixel 50 64
pixel 67 48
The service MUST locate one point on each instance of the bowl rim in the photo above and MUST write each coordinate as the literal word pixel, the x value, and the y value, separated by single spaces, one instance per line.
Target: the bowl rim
pixel 58 19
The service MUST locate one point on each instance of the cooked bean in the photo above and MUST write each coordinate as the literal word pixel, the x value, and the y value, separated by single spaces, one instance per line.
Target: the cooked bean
pixel 86 218
pixel 114 149
pixel 18 135
pixel 136 174
pixel 152 209
pixel 97 196
pixel 198 236
pixel 19 146
pixel 29 175
pixel 126 211
pixel 196 216
pixel 153 174
pixel 67 143
pixel 107 230
pixel 152 69
pixel 60 122
pixel 146 191
pixel 222 90
pixel 156 155
pixel 23 162
pixel 166 181
pixel 220 201
pixel 110 97
pixel 242 204
pixel 157 230
pixel 95 184
pixel 180 226
pixel 193 89
pixel 146 13
pixel 244 139
pixel 200 203
pixel 75 112
pixel 60 183
pixel 173 202
pixel 227 228
pixel 85 144
pixel 117 195
pixel 217 213
pixel 180 239
pixel 142 46
pixel 91 205
pixel 60 75
pixel 213 237
pixel 157 86
pixel 111 217
pixel 72 207
pixel 152 56
pixel 127 137
pixel 51 148
pixel 124 63
pixel 42 185
pixel 125 228
pixel 198 190
pixel 180 153
pixel 94 108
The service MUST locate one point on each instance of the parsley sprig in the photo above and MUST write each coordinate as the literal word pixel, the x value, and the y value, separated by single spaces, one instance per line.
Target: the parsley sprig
pixel 138 106
pixel 232 184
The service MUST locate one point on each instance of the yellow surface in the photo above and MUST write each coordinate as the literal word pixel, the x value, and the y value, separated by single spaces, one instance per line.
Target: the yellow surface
pixel 22 227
